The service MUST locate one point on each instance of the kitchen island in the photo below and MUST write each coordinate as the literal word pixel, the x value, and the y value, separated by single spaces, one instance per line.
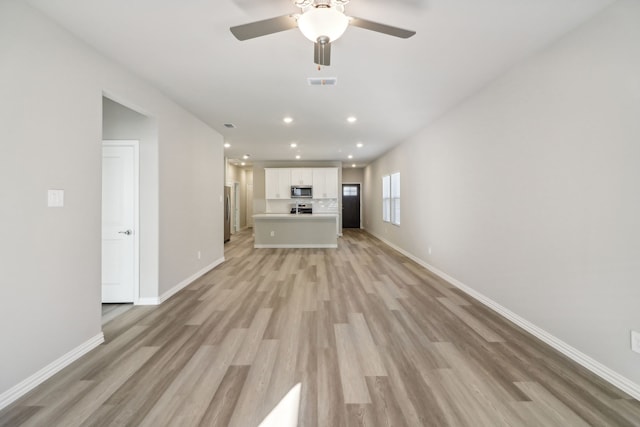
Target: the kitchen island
pixel 295 230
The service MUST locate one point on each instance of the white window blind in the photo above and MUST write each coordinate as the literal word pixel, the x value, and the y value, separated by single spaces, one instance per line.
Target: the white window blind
pixel 386 198
pixel 395 198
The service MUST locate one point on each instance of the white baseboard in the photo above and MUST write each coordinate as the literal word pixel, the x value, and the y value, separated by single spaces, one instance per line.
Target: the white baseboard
pixel 186 282
pixel 148 301
pixel 45 373
pixel 609 375
pixel 23 387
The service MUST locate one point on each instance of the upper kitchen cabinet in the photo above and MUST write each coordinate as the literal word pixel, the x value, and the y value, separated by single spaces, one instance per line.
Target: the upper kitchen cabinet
pixel 302 176
pixel 325 183
pixel 277 183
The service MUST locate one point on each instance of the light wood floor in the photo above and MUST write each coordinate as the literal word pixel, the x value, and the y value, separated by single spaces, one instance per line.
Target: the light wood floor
pixel 111 311
pixel 373 338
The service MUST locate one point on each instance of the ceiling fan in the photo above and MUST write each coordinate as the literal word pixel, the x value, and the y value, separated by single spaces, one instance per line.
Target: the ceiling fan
pixel 321 21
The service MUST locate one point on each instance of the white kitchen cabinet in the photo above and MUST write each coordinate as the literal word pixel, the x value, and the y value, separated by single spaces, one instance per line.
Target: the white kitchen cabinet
pixel 271 183
pixel 277 183
pixel 325 183
pixel 331 176
pixel 302 176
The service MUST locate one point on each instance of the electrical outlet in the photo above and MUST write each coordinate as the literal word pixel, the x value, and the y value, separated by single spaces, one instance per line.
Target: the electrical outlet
pixel 199 255
pixel 429 250
pixel 273 233
pixel 635 341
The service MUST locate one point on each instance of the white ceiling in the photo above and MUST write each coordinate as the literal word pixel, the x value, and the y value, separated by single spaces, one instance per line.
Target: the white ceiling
pixel 393 86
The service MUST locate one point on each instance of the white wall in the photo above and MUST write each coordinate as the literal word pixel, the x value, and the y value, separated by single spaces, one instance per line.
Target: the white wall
pixel 51 108
pixel 353 175
pixel 191 192
pixel 528 191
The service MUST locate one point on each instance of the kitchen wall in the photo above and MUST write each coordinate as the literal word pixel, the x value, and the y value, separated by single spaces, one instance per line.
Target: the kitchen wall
pixel 52 89
pixel 528 193
pixel 353 175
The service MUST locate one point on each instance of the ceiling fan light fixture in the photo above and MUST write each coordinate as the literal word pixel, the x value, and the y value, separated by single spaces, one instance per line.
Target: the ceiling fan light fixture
pixel 323 21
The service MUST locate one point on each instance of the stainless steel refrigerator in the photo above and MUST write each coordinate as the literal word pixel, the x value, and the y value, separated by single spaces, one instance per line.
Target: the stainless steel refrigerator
pixel 227 214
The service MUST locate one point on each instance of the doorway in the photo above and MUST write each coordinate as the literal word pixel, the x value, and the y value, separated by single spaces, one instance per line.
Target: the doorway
pixel 350 205
pixel 120 243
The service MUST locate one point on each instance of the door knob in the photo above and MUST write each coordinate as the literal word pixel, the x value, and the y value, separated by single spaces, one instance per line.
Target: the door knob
pixel 127 232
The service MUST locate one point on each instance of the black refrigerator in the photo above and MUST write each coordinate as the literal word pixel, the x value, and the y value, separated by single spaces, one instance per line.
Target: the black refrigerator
pixel 227 214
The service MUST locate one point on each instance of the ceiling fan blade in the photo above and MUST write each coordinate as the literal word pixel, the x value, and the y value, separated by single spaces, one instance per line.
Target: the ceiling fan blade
pixel 322 52
pixel 264 27
pixel 381 28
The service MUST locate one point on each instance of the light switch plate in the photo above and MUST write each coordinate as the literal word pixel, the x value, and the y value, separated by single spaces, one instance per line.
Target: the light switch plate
pixel 55 198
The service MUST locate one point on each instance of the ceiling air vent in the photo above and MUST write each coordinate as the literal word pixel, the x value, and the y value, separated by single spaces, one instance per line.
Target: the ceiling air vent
pixel 230 125
pixel 322 81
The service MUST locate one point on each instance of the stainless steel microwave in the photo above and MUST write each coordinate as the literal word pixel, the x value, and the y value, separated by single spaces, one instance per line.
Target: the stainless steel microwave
pixel 301 192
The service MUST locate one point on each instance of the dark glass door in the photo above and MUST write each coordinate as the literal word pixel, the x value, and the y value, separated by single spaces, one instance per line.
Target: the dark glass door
pixel 350 205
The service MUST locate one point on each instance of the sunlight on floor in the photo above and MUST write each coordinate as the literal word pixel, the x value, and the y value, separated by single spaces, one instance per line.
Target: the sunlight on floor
pixel 285 414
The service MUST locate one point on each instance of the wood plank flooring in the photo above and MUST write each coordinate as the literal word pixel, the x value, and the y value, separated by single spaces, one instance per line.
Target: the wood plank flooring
pixel 374 339
pixel 111 311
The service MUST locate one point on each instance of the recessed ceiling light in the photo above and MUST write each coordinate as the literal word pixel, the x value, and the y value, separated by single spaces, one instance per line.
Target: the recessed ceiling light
pixel 351 119
pixel 359 144
pixel 350 156
pixel 293 145
pixel 353 165
pixel 298 156
pixel 242 164
pixel 287 120
pixel 246 156
pixel 227 145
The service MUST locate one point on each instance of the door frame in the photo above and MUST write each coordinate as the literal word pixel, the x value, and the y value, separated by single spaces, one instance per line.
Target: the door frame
pixel 135 144
pixel 360 196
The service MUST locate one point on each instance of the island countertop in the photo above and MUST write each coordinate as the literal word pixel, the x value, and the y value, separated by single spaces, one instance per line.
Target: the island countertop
pixel 283 230
pixel 294 216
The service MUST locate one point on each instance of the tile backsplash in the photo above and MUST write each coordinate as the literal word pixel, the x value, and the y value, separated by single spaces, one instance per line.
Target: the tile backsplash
pixel 319 205
pixel 325 206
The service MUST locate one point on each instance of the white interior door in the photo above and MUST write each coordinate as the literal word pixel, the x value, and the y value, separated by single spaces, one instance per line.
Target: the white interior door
pixel 119 222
